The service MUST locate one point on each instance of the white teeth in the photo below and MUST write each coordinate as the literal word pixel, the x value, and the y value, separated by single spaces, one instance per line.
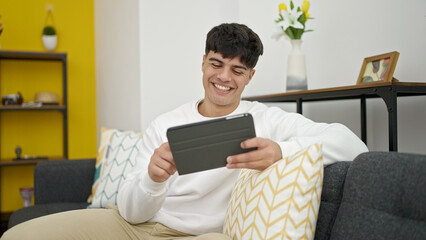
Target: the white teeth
pixel 222 87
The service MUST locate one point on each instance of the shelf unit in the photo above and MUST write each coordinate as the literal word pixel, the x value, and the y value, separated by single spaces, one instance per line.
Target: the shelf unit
pixel 63 108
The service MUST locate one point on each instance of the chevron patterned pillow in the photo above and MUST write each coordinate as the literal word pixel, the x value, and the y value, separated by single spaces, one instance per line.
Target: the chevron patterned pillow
pixel 281 202
pixel 104 142
pixel 116 157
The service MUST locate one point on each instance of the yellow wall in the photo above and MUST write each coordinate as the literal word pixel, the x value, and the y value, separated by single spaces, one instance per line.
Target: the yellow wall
pixel 40 133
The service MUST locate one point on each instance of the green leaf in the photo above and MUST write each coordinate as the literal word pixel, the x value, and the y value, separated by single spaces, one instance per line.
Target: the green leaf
pixel 298 33
pixel 49 30
pixel 302 19
pixel 289 32
pixel 291 5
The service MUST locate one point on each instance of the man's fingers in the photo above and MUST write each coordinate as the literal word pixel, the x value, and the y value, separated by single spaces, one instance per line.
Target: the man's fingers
pixel 158 174
pixel 252 143
pixel 254 155
pixel 162 164
pixel 267 152
pixel 167 157
pixel 258 165
pixel 166 166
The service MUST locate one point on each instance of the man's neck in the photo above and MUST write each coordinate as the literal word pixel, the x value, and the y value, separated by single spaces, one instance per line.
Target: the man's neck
pixel 210 110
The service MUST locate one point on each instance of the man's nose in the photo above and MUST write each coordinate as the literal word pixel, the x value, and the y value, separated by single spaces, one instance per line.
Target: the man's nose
pixel 225 75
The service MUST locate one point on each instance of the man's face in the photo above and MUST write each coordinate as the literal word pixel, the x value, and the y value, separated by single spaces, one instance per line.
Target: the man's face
pixel 224 80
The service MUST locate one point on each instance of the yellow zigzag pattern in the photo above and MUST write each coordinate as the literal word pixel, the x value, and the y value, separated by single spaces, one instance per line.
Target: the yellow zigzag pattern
pixel 281 202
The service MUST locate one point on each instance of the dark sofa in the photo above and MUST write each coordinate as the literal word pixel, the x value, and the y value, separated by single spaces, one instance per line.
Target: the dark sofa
pixel 380 195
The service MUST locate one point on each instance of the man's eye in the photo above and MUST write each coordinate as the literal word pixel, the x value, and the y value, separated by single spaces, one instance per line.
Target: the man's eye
pixel 238 72
pixel 215 65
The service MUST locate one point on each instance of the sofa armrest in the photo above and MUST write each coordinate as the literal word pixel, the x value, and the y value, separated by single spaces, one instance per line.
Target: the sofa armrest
pixel 383 198
pixel 63 181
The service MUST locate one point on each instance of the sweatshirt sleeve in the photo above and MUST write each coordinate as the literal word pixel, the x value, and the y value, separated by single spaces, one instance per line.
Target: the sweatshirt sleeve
pixel 140 198
pixel 293 132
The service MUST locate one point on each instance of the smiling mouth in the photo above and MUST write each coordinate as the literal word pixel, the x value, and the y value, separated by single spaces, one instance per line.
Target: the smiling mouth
pixel 220 87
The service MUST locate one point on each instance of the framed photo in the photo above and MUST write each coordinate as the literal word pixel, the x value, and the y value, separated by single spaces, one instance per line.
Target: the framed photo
pixel 378 68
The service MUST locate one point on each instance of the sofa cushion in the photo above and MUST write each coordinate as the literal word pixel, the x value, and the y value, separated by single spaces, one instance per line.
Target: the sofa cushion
pixel 116 157
pixel 384 198
pixel 63 181
pixel 280 202
pixel 39 210
pixel 332 191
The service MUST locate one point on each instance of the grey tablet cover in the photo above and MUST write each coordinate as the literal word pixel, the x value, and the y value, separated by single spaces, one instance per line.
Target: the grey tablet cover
pixel 206 145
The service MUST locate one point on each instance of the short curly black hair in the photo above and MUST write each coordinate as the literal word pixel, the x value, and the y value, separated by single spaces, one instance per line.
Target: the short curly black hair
pixel 232 40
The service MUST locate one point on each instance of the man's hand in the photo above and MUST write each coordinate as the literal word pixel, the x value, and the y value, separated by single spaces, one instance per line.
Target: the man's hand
pixel 162 164
pixel 267 153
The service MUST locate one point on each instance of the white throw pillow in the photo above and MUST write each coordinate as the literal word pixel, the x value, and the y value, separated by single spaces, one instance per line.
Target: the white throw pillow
pixel 116 157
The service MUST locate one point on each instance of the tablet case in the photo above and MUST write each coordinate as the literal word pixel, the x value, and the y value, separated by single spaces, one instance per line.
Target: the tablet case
pixel 206 145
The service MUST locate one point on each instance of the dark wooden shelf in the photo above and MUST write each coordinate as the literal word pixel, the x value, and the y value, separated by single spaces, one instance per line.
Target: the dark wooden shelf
pixel 25 55
pixel 42 108
pixel 11 162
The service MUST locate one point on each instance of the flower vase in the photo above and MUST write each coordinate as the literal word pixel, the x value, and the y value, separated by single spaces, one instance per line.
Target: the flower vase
pixel 296 68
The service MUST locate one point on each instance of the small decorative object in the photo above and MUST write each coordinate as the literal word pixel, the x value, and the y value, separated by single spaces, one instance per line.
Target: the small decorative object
pixel 18 151
pixel 46 98
pixel 32 104
pixel 378 68
pixel 12 99
pixel 292 25
pixel 1 29
pixel 27 194
pixel 49 37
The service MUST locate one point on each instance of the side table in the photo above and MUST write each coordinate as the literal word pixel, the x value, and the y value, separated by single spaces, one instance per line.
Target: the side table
pixel 388 91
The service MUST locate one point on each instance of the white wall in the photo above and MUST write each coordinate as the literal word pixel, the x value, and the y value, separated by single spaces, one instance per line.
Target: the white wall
pixel 172 35
pixel 345 32
pixel 117 64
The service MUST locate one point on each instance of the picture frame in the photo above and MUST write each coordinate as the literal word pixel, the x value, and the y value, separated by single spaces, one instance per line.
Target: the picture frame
pixel 378 68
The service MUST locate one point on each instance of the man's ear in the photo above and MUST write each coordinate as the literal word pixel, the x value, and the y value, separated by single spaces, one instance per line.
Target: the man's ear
pixel 204 59
pixel 251 75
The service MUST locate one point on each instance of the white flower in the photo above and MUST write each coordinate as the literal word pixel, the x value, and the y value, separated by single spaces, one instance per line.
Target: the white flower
pixel 290 19
pixel 297 2
pixel 279 33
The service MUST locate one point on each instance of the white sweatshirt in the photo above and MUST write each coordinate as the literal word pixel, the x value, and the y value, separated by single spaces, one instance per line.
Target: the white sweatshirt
pixel 196 203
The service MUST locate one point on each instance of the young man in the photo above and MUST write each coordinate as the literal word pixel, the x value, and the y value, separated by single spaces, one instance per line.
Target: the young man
pixel 155 202
pixel 196 203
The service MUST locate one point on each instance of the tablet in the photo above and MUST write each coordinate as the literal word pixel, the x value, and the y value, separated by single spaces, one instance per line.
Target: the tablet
pixel 206 145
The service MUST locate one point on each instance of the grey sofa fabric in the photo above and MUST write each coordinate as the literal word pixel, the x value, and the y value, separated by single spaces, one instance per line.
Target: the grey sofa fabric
pixel 384 198
pixel 58 186
pixel 331 196
pixel 63 181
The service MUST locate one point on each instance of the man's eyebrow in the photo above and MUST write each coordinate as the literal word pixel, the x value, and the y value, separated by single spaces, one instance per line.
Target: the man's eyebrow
pixel 241 67
pixel 215 59
pixel 235 66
